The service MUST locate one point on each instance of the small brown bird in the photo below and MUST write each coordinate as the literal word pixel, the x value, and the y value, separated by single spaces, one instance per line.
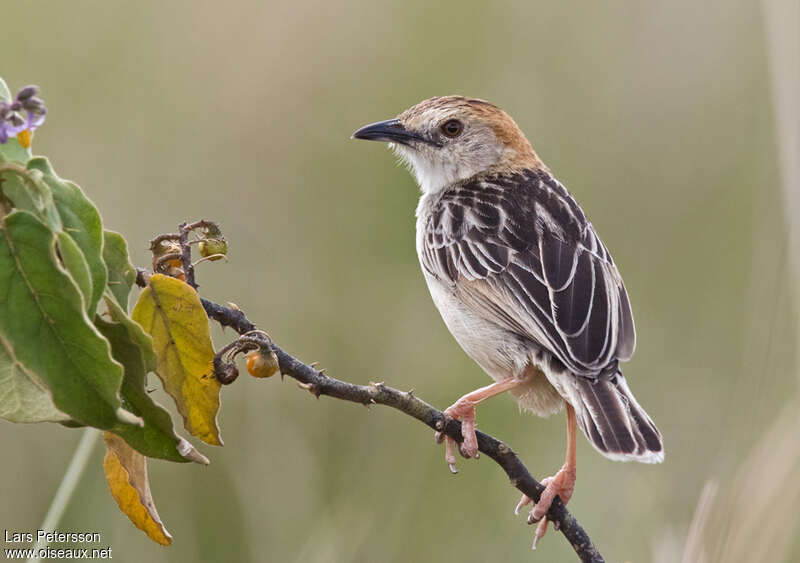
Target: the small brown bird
pixel 522 281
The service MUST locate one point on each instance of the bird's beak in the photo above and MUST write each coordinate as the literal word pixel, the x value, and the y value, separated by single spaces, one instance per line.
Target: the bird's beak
pixel 390 130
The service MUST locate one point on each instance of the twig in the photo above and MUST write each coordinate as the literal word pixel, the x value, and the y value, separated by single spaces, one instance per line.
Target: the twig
pixel 186 250
pixel 318 383
pixel 186 253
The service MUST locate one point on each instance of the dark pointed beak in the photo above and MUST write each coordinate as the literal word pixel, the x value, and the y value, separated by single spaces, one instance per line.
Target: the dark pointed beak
pixel 390 130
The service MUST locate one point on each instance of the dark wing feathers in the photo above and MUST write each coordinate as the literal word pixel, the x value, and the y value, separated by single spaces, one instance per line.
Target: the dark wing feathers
pixel 573 303
pixel 626 341
pixel 519 251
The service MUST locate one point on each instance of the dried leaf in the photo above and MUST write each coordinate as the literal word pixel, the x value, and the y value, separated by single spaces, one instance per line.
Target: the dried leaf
pixel 126 473
pixel 170 311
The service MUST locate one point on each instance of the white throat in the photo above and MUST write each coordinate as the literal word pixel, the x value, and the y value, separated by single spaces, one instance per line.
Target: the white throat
pixel 434 174
pixel 434 171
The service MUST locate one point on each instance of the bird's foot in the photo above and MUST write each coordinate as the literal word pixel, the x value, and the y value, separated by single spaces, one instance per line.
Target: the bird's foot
pixel 561 484
pixel 463 410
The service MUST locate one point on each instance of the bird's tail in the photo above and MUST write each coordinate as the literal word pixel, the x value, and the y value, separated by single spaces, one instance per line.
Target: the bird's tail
pixel 615 424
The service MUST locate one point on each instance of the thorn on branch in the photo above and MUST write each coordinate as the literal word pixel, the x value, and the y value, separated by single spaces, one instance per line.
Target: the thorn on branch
pixel 310 387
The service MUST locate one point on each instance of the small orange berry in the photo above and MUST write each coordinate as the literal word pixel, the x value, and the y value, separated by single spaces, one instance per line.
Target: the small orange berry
pixel 259 365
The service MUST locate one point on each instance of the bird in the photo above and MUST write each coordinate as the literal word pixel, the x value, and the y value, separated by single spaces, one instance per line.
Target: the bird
pixel 522 281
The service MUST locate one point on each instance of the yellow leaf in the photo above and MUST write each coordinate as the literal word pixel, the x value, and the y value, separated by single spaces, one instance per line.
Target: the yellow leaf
pixel 170 311
pixel 126 473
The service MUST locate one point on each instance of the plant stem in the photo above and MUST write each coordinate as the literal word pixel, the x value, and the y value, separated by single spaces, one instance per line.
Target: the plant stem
pixel 69 482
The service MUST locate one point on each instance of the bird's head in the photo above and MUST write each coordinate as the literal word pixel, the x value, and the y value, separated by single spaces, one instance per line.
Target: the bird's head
pixel 452 138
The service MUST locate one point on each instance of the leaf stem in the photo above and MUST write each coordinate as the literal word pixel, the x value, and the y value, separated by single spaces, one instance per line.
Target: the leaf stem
pixel 69 483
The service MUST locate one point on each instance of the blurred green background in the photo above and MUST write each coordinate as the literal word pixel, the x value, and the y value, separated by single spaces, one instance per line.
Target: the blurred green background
pixel 657 116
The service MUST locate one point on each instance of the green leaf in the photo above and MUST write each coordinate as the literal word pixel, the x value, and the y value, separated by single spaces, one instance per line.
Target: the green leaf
pixel 22 397
pixel 26 190
pixel 81 221
pixel 44 322
pixel 121 273
pixel 75 263
pixel 12 151
pixel 157 437
pixel 135 332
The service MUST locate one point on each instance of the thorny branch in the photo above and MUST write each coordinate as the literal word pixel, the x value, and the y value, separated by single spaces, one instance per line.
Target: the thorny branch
pixel 318 383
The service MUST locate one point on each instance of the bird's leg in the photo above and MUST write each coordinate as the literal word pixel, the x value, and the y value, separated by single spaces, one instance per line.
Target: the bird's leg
pixel 561 484
pixel 464 410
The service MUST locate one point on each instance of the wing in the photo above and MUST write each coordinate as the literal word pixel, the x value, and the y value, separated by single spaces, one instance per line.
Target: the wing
pixel 519 251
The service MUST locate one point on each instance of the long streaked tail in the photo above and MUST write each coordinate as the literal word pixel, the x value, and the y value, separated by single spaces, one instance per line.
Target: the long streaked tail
pixel 614 422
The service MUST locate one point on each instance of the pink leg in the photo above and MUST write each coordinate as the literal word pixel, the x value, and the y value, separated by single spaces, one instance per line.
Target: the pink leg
pixel 464 410
pixel 561 484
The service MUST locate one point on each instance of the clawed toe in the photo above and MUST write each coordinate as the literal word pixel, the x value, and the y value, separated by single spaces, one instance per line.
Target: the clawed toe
pixel 523 502
pixel 464 411
pixel 562 485
pixel 469 447
pixel 450 453
pixel 450 447
pixel 541 529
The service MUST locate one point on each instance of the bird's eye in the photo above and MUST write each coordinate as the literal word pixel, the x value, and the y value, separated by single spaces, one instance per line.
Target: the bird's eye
pixel 452 128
